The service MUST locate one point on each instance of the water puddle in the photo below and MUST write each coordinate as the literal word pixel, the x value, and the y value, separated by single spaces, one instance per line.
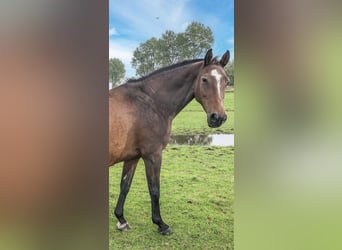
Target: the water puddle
pixel 203 140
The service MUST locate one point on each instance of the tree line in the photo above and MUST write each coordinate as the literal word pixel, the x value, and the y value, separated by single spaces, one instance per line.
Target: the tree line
pixel 169 49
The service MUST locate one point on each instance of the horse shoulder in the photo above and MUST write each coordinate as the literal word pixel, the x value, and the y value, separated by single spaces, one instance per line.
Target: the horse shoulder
pixel 154 132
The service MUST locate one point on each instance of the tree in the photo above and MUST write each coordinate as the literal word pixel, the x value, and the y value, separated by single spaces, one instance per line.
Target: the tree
pixel 230 72
pixel 116 71
pixel 199 39
pixel 172 48
pixel 146 57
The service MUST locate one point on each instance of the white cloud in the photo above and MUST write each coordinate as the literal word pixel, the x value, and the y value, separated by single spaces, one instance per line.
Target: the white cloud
pixel 123 50
pixel 112 31
pixel 147 18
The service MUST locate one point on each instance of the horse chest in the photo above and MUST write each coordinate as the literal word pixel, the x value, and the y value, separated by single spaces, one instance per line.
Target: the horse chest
pixel 153 133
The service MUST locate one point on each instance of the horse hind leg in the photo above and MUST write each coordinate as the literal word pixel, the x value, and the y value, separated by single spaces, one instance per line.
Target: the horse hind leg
pixel 126 180
pixel 152 168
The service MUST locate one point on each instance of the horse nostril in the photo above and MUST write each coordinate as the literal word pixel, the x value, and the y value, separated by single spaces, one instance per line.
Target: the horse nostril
pixel 215 120
pixel 214 117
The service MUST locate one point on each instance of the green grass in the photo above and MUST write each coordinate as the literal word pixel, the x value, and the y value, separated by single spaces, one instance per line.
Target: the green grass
pixel 193 119
pixel 196 201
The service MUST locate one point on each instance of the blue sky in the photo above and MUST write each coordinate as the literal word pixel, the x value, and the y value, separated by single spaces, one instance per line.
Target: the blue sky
pixel 132 22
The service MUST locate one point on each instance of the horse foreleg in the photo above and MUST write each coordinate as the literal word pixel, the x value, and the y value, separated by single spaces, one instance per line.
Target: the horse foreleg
pixel 126 180
pixel 152 167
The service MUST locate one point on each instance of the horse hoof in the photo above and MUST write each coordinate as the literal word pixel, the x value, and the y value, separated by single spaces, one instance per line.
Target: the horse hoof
pixel 123 227
pixel 166 231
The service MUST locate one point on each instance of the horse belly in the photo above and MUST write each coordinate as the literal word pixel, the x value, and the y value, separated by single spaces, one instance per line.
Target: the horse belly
pixel 122 141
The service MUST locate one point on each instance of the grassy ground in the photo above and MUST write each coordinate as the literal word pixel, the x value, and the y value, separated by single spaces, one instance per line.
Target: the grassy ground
pixel 196 201
pixel 193 120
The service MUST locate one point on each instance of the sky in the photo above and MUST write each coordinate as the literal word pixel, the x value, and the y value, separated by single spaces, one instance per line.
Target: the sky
pixel 132 22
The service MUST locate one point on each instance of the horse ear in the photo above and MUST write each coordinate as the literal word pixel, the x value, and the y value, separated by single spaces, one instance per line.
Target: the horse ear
pixel 225 59
pixel 208 57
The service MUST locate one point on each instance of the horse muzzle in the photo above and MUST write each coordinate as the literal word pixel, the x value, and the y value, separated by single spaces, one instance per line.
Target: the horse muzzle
pixel 215 120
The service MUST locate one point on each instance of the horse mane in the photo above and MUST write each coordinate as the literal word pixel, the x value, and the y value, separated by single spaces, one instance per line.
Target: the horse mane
pixel 167 68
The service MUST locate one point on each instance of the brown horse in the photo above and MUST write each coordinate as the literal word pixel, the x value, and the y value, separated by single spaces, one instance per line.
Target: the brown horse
pixel 140 116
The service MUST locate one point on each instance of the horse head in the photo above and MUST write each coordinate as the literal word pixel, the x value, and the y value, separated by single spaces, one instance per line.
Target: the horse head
pixel 210 88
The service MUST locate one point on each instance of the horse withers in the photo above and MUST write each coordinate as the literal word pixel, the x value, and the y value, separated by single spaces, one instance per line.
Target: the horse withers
pixel 140 116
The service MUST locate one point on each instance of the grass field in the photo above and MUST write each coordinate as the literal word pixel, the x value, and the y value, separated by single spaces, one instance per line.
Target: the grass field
pixel 193 120
pixel 196 201
pixel 197 196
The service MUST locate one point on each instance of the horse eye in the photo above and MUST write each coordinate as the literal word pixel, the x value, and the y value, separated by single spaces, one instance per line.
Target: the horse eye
pixel 204 80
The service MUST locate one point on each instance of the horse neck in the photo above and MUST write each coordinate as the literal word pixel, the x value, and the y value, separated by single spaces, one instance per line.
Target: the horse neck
pixel 174 89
